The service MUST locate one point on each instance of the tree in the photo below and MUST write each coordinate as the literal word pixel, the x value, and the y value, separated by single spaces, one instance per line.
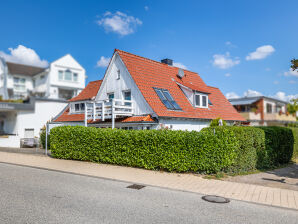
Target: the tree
pixel 294 65
pixel 292 107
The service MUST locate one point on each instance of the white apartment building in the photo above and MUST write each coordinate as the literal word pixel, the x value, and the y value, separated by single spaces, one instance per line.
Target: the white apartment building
pixel 30 96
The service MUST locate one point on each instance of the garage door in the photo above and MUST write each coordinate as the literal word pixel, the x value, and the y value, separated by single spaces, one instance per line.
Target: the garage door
pixel 29 133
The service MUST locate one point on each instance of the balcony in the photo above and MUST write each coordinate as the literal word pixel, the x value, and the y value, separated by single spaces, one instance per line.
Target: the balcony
pixel 279 117
pixel 108 109
pixel 252 116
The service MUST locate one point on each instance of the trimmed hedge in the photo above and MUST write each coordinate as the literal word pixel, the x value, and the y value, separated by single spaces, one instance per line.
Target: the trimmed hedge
pixel 260 147
pixel 295 151
pixel 42 139
pixel 169 150
pixel 214 149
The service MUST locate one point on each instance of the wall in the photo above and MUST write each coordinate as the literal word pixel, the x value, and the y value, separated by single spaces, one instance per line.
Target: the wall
pixel 117 86
pixel 64 63
pixel 44 111
pixel 184 124
pixel 10 141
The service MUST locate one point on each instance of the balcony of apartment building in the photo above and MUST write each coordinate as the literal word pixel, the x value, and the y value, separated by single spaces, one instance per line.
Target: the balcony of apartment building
pixel 249 112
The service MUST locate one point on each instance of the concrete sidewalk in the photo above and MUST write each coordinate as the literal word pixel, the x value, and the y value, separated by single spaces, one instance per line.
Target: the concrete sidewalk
pixel 185 182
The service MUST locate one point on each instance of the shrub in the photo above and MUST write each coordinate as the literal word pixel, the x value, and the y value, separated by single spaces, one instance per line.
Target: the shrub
pixel 250 140
pixel 151 149
pixel 42 139
pixel 295 151
pixel 279 142
pixel 215 122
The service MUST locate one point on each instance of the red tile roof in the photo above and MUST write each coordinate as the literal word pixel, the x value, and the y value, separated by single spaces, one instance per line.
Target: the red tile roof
pixel 65 117
pixel 148 74
pixel 88 92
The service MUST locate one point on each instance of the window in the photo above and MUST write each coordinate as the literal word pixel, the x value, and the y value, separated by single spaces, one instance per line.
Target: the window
pixel 77 107
pixel 82 106
pixel 75 77
pixel 165 97
pixel 269 108
pixel 60 74
pixel 19 84
pixel 201 100
pixel 204 99
pixel 67 75
pixel 198 100
pixel 42 77
pixel 118 74
pixel 127 96
pixel 111 96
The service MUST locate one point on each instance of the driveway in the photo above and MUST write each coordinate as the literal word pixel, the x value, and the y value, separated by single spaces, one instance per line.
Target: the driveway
pixel 285 178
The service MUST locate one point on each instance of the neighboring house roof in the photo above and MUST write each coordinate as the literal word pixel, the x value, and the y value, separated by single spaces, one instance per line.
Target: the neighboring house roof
pixel 20 69
pixel 250 100
pixel 66 117
pixel 88 92
pixel 148 74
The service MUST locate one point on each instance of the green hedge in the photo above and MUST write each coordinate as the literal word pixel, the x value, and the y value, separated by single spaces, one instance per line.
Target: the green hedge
pixel 250 140
pixel 295 151
pixel 169 150
pixel 42 139
pixel 260 147
pixel 214 149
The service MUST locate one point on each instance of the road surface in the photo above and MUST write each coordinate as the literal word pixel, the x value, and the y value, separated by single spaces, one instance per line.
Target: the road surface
pixel 30 195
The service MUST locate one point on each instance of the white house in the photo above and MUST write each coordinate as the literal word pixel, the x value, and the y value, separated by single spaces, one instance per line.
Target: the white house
pixel 139 93
pixel 31 96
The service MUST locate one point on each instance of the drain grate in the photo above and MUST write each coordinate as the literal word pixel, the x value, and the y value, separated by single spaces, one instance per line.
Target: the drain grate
pixel 215 199
pixel 136 186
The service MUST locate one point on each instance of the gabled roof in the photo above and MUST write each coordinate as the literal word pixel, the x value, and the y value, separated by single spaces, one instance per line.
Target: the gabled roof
pixel 20 69
pixel 148 74
pixel 88 92
pixel 250 100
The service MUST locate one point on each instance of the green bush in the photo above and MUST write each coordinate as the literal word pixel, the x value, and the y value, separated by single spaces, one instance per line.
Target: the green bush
pixel 169 150
pixel 295 151
pixel 250 141
pixel 279 144
pixel 42 139
pixel 215 122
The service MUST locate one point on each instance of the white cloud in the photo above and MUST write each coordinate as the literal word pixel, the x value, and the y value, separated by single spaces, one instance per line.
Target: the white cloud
pixel 291 73
pixel 146 8
pixel 261 53
pixel 103 62
pixel 251 93
pixel 227 74
pixel 224 61
pixel 179 65
pixel 231 95
pixel 119 23
pixel 282 96
pixel 229 44
pixel 24 55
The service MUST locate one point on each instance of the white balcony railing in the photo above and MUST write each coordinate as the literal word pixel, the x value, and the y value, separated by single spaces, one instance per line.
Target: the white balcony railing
pixel 108 109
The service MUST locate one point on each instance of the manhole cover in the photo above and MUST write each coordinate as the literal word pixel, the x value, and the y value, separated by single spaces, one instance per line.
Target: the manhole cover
pixel 215 199
pixel 136 186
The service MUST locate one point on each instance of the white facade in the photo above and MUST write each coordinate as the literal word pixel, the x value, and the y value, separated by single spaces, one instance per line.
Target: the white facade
pixel 118 84
pixel 63 79
pixel 47 90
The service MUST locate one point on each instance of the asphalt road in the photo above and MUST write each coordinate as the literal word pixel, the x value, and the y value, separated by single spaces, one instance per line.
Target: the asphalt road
pixel 30 195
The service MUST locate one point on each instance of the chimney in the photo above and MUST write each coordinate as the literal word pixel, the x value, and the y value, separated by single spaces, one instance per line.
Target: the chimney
pixel 167 61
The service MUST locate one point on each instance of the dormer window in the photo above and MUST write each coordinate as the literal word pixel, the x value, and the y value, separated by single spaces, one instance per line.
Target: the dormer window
pixel 79 107
pixel 200 100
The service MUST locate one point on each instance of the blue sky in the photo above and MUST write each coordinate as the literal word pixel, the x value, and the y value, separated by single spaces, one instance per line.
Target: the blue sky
pixel 242 47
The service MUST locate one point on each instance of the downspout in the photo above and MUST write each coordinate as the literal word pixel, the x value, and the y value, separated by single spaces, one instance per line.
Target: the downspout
pixel 5 71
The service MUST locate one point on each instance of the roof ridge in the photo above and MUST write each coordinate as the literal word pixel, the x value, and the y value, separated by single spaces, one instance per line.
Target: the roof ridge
pixel 118 50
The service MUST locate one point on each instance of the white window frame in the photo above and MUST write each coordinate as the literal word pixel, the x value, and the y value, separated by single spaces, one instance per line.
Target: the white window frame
pixel 201 95
pixel 118 74
pixel 17 85
pixel 72 76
